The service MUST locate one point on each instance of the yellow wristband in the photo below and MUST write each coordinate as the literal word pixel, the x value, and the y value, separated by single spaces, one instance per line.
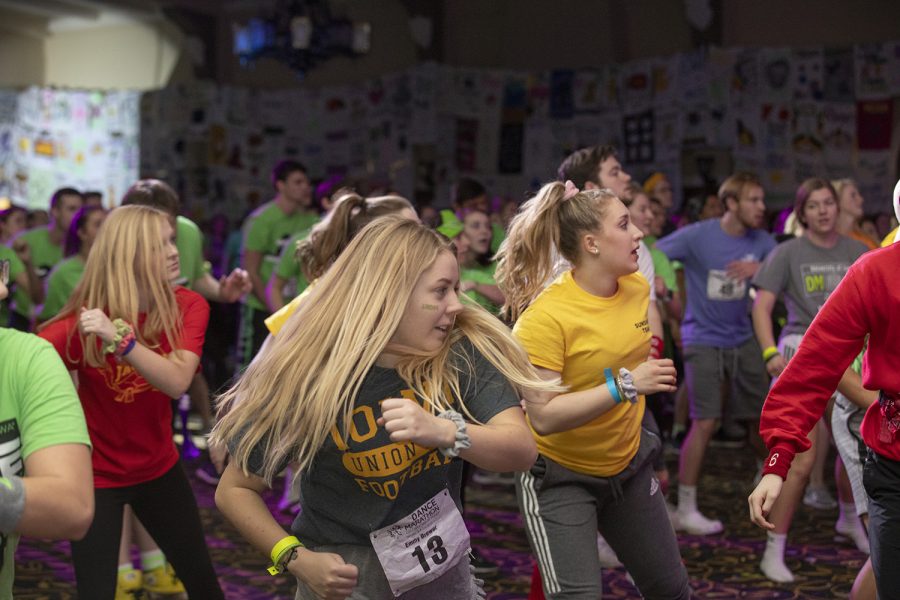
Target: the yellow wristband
pixel 769 353
pixel 282 548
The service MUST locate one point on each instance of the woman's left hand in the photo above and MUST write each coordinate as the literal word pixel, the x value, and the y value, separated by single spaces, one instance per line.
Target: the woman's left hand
pixel 406 421
pixel 95 321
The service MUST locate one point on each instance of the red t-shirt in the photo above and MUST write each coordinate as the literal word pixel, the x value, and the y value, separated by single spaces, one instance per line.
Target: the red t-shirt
pixel 130 422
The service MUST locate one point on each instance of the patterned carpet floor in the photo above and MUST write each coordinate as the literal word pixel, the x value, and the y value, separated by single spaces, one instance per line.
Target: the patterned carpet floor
pixel 723 566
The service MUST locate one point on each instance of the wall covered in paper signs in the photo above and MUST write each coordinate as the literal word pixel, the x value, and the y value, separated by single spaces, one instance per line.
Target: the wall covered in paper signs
pixel 52 138
pixel 784 113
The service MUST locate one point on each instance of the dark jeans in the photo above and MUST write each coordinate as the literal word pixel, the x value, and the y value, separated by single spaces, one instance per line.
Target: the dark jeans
pixel 881 477
pixel 168 510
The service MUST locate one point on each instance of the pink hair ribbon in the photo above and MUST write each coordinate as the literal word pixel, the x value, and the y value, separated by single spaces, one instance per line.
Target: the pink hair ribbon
pixel 571 190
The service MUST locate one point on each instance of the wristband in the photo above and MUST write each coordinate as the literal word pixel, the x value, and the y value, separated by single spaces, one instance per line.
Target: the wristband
pixel 769 353
pixel 12 503
pixel 462 440
pixel 656 347
pixel 611 385
pixel 282 553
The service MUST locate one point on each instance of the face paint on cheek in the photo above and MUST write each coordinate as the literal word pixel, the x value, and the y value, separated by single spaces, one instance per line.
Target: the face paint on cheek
pixel 429 307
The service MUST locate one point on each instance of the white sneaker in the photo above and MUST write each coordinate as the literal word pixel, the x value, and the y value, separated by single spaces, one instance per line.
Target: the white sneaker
pixel 855 531
pixel 608 558
pixel 773 568
pixel 695 523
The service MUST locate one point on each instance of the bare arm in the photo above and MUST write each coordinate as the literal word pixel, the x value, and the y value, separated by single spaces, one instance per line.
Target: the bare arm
pixel 171 374
pixel 59 492
pixel 851 386
pixel 654 319
pixel 550 413
pixel 762 327
pixel 227 290
pixel 504 443
pixel 239 498
pixel 274 297
pixel 251 262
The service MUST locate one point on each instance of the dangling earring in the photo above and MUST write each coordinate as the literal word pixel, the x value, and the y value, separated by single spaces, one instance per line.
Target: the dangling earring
pixel 595 251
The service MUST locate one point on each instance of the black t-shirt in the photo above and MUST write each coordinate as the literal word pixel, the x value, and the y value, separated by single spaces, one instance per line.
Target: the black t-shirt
pixel 369 482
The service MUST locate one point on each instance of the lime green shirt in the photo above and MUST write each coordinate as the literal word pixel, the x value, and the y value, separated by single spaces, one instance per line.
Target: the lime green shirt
pixel 44 256
pixel 497 236
pixel 288 267
pixel 267 231
pixel 60 284
pixel 39 408
pixel 189 241
pixel 16 267
pixel 484 275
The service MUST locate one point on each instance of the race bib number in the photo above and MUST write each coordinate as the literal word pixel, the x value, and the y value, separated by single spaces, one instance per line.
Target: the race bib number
pixel 422 546
pixel 719 286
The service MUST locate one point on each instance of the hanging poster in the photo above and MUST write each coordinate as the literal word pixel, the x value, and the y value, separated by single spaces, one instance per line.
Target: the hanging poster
pixel 838 135
pixel 874 119
pixel 639 137
pixel 839 71
pixel 809 76
pixel 872 77
pixel 776 81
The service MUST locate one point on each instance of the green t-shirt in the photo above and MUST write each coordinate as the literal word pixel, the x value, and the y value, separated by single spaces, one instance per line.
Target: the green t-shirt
pixel 189 241
pixel 268 231
pixel 497 236
pixel 60 284
pixel 483 275
pixel 39 407
pixel 44 256
pixel 664 267
pixel 16 267
pixel 288 267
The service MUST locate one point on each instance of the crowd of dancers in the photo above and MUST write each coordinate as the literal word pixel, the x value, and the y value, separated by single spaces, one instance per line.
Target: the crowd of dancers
pixel 383 353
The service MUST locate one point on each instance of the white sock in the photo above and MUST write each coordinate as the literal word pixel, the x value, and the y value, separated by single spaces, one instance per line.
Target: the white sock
pixel 687 498
pixel 847 511
pixel 126 566
pixel 772 564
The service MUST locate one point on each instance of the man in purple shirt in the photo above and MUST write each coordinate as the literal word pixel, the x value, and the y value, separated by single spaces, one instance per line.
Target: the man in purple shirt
pixel 720 257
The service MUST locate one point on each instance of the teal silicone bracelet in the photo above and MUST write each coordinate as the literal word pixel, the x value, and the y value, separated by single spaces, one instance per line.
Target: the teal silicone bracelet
pixel 611 385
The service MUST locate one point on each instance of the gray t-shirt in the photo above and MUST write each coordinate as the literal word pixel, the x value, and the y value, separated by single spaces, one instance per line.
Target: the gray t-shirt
pixel 369 482
pixel 806 275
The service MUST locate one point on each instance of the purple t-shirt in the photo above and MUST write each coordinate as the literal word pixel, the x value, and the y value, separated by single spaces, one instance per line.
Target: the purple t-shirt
pixel 718 309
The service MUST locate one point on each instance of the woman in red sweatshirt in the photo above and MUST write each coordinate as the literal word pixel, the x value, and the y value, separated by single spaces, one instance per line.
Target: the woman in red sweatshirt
pixel 865 303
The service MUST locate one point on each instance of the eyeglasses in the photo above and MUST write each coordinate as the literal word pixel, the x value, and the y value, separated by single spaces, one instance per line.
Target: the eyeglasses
pixel 4 271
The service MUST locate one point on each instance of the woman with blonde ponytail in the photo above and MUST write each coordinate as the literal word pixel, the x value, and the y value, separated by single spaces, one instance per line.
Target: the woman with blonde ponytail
pixel 376 387
pixel 134 340
pixel 351 212
pixel 589 328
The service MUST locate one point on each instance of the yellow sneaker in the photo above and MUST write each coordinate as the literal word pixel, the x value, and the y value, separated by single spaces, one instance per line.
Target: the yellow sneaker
pixel 128 585
pixel 162 581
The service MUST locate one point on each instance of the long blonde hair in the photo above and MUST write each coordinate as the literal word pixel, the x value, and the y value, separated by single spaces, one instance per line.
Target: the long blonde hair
pixel 127 259
pixel 350 214
pixel 546 224
pixel 306 381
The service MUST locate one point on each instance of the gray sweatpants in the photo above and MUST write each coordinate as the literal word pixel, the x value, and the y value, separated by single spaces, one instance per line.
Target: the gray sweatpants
pixel 563 510
pixel 456 584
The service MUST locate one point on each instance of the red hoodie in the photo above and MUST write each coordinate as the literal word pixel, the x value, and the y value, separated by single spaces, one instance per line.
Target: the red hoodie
pixel 867 301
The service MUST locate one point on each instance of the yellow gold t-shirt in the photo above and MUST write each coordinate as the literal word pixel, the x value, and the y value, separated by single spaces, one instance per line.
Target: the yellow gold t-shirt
pixel 578 335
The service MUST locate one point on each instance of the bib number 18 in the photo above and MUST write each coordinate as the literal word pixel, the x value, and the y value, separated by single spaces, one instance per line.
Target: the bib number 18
pixel 438 556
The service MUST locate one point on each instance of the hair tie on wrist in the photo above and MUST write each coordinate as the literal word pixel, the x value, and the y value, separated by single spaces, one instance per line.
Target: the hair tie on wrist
pixel 462 440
